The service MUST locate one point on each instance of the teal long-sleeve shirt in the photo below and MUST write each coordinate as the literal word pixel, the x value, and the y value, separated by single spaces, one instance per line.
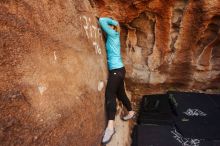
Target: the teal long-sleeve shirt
pixel 113 44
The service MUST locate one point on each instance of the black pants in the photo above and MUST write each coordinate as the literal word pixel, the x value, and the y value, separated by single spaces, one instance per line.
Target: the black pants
pixel 115 87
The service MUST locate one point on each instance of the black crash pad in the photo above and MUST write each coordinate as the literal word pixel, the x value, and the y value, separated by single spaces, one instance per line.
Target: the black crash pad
pixel 155 109
pixel 184 101
pixel 197 115
pixel 207 127
pixel 216 99
pixel 151 135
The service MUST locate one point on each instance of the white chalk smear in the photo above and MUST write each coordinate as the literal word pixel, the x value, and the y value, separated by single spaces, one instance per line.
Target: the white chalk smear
pixel 42 89
pixel 54 54
pixel 100 85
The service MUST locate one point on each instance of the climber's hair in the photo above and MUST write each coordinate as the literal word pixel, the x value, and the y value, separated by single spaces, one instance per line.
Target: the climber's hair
pixel 116 28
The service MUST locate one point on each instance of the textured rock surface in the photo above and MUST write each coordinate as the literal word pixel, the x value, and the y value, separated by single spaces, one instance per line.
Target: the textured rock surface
pixel 52 70
pixel 53 63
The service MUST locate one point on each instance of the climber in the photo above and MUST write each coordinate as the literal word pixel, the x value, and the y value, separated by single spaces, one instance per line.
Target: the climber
pixel 115 84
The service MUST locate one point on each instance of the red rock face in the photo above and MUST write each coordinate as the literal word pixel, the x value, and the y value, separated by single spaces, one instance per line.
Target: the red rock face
pixel 53 63
pixel 172 44
pixel 52 73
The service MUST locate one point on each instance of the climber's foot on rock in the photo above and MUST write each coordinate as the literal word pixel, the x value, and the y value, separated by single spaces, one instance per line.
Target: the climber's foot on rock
pixel 108 135
pixel 130 115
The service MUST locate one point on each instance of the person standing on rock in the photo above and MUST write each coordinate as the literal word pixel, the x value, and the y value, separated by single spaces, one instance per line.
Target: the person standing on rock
pixel 115 85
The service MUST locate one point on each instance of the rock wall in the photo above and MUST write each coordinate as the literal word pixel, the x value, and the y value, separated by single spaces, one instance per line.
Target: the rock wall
pixel 52 73
pixel 53 64
pixel 168 43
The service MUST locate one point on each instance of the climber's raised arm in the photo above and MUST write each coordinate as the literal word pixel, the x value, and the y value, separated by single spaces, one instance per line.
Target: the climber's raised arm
pixel 105 23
